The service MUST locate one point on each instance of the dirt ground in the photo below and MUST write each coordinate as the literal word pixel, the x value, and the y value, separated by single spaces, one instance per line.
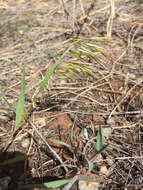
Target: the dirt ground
pixel 32 35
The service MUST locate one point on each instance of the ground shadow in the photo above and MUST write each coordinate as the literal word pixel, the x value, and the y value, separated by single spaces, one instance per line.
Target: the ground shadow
pixel 12 175
pixel 17 175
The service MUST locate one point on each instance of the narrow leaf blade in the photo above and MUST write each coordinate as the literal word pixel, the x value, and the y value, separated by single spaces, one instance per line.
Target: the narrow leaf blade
pixel 14 160
pixel 52 69
pixel 53 184
pixel 90 166
pixel 60 142
pixel 20 104
pixel 99 140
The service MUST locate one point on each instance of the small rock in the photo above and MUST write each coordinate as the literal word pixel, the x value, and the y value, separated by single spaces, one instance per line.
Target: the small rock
pixel 25 143
pixel 87 185
pixel 103 169
pixel 106 132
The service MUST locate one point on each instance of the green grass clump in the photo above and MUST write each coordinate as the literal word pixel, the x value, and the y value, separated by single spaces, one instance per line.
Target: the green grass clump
pixel 86 51
pixel 81 52
pixel 20 114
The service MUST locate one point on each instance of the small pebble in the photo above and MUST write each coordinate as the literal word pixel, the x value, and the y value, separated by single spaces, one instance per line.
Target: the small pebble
pixel 103 169
pixel 86 185
pixel 25 143
pixel 106 132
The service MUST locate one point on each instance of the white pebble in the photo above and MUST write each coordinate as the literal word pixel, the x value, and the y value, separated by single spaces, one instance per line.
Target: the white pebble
pixel 25 143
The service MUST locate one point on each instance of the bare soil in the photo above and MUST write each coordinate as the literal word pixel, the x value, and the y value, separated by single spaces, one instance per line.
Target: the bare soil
pixel 33 34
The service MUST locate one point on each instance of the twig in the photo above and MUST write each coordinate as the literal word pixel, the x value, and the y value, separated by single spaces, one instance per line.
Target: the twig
pixel 139 81
pixel 53 152
pixel 65 10
pixel 107 113
pixel 73 15
pixel 71 183
pixel 82 8
pixel 127 158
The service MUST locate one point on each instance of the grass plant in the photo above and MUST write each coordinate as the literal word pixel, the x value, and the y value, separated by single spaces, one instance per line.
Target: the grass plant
pixel 103 91
pixel 82 51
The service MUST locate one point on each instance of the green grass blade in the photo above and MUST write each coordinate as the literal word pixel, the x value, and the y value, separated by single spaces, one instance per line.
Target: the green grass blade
pixel 99 140
pixel 90 163
pixel 85 69
pixel 76 54
pixel 68 70
pixel 2 96
pixel 20 104
pixel 51 71
pixel 14 160
pixel 53 184
pixel 10 106
pixel 60 75
pixel 103 148
pixel 100 50
pixel 90 166
pixel 47 77
pixel 60 142
pixel 97 39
